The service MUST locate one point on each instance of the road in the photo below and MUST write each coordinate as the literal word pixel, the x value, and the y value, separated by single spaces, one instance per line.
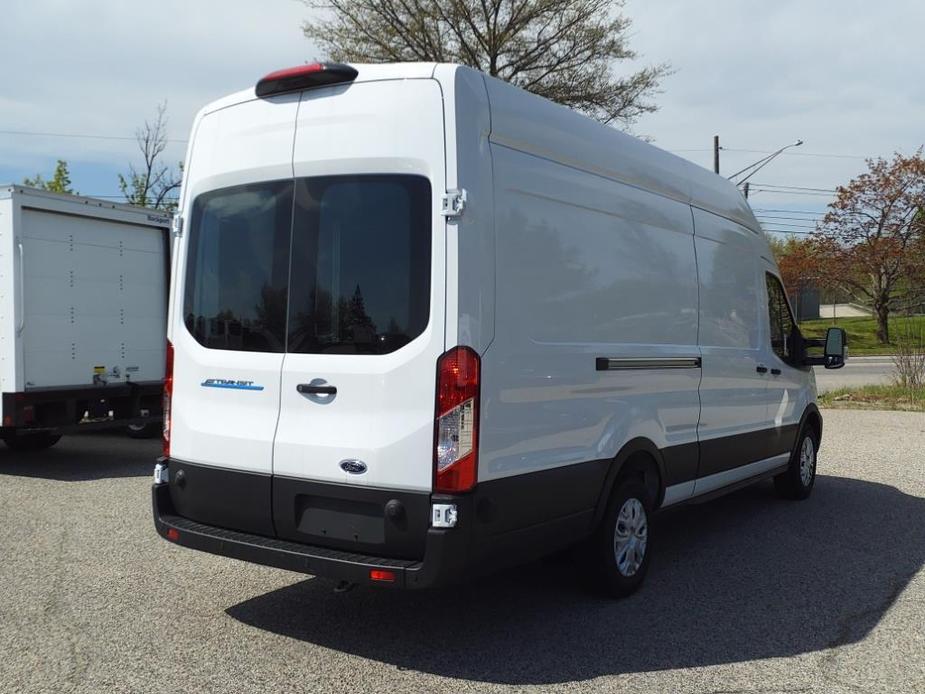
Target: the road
pixel 747 593
pixel 858 371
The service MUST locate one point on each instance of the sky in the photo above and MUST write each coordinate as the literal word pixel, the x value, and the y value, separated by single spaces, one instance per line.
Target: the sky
pixel 844 76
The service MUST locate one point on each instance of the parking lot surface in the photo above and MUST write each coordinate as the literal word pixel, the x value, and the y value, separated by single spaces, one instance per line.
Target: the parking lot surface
pixel 747 593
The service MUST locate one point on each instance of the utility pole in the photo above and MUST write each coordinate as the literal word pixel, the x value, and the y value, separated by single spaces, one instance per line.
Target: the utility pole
pixel 747 184
pixel 716 153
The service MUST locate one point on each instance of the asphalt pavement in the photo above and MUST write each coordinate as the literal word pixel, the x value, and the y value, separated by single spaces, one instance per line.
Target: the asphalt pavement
pixel 747 593
pixel 857 371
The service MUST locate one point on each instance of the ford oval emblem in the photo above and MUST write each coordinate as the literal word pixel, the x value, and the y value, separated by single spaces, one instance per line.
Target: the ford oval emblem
pixel 354 467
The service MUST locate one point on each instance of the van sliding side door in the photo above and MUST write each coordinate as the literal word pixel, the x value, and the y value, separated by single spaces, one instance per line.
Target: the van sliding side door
pixel 733 429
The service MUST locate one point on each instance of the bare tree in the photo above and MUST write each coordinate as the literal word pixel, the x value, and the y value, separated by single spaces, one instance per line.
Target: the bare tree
pixel 152 185
pixel 871 243
pixel 564 50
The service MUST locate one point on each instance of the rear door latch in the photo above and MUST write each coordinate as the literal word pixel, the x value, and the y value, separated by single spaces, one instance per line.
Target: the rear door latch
pixel 453 202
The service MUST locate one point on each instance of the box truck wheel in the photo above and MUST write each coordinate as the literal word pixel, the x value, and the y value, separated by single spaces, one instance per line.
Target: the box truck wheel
pixel 797 482
pixel 622 545
pixel 31 442
pixel 144 431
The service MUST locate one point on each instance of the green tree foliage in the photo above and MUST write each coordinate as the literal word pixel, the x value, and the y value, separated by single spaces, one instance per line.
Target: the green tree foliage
pixel 564 50
pixel 155 183
pixel 871 243
pixel 60 181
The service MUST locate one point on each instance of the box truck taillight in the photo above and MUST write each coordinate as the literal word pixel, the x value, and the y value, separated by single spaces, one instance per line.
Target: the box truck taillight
pixel 457 429
pixel 295 79
pixel 168 392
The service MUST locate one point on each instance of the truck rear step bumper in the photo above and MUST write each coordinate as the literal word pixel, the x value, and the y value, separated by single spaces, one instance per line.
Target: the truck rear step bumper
pixel 63 409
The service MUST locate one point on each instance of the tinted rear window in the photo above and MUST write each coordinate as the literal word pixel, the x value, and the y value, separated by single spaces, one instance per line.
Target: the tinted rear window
pixel 344 267
pixel 360 264
pixel 237 267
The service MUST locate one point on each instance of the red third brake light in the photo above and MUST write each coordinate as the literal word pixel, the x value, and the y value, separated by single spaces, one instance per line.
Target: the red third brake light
pixel 456 426
pixel 295 79
pixel 168 393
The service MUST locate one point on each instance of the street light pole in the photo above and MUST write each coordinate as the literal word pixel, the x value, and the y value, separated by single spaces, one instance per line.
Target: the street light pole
pixel 760 164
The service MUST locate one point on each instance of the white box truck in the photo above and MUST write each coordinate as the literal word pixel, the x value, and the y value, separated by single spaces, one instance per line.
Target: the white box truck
pixel 425 324
pixel 83 296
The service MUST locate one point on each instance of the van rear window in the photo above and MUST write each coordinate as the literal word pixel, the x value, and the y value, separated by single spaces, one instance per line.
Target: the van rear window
pixel 337 264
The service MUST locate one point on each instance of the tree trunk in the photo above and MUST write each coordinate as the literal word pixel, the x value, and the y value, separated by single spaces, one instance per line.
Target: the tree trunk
pixel 882 311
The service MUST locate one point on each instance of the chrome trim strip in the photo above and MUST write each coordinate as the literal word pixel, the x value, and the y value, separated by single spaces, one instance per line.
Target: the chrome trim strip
pixel 705 485
pixel 620 363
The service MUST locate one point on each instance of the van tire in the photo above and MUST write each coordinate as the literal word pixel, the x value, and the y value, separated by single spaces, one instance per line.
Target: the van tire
pixel 622 562
pixel 798 480
pixel 31 442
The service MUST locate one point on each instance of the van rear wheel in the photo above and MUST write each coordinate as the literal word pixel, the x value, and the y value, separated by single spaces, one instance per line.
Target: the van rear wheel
pixel 31 442
pixel 623 544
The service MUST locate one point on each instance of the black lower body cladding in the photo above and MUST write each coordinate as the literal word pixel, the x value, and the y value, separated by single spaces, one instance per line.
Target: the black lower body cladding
pixel 381 522
pixel 345 532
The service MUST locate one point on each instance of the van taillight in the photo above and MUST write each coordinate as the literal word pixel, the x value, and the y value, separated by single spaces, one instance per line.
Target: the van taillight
pixel 168 392
pixel 457 423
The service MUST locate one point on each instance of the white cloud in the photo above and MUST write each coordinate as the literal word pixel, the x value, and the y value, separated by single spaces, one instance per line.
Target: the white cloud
pixel 843 76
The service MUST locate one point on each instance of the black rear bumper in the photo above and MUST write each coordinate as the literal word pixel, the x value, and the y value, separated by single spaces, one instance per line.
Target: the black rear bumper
pixel 444 560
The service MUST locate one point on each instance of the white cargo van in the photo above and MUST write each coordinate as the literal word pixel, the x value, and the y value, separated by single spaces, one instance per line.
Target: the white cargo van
pixel 425 324
pixel 83 315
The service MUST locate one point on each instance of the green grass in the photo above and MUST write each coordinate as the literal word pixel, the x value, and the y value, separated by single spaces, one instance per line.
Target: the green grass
pixel 862 332
pixel 875 398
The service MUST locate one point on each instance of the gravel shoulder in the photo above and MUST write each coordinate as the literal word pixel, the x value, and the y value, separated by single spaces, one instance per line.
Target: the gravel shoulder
pixel 747 593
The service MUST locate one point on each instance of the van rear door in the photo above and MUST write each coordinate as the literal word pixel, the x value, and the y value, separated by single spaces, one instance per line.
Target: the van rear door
pixel 232 275
pixel 366 310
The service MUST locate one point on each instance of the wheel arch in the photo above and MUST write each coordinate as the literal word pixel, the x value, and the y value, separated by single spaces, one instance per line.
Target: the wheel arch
pixel 812 418
pixel 639 456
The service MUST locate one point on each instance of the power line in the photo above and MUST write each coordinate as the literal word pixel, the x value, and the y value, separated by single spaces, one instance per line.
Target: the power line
pixel 767 209
pixel 798 154
pixel 82 136
pixel 779 185
pixel 795 219
pixel 789 192
pixel 784 154
pixel 785 224
pixel 789 220
pixel 789 231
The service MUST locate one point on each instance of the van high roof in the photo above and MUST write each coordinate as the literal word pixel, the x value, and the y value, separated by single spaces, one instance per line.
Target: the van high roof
pixel 530 123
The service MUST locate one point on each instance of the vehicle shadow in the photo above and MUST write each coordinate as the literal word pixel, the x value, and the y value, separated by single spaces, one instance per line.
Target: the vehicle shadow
pixel 745 577
pixel 84 457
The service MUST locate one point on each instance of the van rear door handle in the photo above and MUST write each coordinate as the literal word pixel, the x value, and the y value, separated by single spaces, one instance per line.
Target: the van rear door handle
pixel 761 369
pixel 312 389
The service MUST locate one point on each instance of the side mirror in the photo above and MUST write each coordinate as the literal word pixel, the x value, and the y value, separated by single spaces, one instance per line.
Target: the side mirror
pixel 836 341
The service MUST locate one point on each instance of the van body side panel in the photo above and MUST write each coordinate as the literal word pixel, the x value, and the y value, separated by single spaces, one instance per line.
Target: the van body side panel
pixel 226 401
pixel 588 269
pixel 734 428
pixel 472 233
pixel 369 167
